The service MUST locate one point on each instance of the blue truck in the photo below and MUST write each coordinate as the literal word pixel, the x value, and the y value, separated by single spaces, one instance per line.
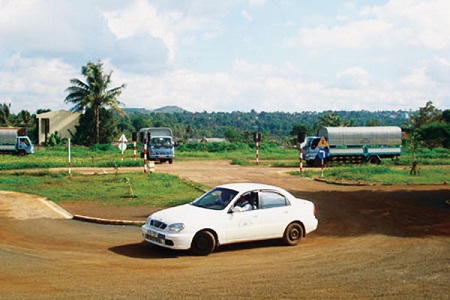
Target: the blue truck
pixel 12 142
pixel 160 144
pixel 352 144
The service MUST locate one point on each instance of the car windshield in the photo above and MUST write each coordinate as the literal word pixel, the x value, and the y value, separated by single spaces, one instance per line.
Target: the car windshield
pixel 161 142
pixel 216 199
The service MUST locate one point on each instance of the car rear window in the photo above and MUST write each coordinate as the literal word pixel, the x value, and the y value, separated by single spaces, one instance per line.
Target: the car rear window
pixel 271 199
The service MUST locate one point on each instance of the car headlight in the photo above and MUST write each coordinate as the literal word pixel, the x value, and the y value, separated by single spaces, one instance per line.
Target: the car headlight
pixel 175 227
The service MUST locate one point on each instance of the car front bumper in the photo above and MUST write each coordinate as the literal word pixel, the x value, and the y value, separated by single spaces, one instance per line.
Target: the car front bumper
pixel 161 238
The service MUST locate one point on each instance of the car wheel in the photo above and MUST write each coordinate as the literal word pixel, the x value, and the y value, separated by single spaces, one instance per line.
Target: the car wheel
pixel 203 243
pixel 293 234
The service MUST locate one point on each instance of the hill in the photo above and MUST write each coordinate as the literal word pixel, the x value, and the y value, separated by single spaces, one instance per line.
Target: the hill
pixel 164 109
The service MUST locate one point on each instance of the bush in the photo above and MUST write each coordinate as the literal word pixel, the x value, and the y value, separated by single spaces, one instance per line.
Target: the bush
pixel 102 147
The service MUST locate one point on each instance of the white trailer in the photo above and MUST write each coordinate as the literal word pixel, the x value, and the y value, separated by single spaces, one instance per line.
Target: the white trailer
pixel 359 144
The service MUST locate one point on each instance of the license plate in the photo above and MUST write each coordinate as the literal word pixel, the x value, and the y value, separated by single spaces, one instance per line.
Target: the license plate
pixel 153 236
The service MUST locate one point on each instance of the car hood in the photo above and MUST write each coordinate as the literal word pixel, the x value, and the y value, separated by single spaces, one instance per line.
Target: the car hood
pixel 185 213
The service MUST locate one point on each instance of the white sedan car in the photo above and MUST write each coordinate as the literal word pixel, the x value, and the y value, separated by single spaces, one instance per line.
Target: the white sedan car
pixel 232 213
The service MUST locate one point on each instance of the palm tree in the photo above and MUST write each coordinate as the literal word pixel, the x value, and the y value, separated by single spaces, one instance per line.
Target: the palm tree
pixel 94 93
pixel 24 119
pixel 4 114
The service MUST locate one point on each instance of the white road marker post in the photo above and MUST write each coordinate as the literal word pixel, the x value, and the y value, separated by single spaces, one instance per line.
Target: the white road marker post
pixel 123 144
pixel 323 165
pixel 69 163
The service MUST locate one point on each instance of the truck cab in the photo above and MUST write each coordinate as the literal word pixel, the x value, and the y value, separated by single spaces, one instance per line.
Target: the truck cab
pixel 311 150
pixel 13 141
pixel 159 142
pixel 24 146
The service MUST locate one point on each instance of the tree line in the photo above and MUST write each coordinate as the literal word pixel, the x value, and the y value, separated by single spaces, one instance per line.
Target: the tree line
pixel 103 120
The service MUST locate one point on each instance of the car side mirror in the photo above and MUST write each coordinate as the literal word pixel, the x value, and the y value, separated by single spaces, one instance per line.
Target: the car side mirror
pixel 237 209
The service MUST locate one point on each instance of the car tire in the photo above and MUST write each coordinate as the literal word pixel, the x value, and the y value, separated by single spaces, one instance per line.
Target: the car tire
pixel 293 234
pixel 203 243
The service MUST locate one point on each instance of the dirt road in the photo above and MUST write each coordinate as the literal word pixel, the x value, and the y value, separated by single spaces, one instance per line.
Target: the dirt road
pixel 372 242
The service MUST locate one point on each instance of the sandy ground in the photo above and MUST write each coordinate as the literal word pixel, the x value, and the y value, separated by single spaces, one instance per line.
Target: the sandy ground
pixel 372 242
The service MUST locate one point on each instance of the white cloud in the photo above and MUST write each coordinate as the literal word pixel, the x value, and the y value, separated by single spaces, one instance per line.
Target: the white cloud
pixel 246 15
pixel 416 79
pixel 353 77
pixel 398 23
pixel 142 17
pixel 417 23
pixel 37 83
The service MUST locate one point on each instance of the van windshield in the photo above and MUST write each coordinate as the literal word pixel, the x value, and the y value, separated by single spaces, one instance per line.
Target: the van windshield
pixel 161 142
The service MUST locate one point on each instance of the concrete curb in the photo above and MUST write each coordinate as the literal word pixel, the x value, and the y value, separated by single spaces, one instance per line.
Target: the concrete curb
pixel 56 208
pixel 107 221
pixel 65 214
pixel 343 183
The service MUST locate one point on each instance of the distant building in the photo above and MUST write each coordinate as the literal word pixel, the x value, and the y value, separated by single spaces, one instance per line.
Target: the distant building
pixel 61 121
pixel 213 140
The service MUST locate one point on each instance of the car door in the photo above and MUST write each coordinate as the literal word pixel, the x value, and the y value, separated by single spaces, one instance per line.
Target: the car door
pixel 242 225
pixel 274 214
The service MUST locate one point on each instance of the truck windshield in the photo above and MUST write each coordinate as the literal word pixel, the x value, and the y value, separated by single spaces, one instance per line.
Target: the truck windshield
pixel 24 141
pixel 161 142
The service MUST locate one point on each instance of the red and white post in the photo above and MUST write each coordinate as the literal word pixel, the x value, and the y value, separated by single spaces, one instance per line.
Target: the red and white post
pixel 257 152
pixel 301 158
pixel 145 156
pixel 134 150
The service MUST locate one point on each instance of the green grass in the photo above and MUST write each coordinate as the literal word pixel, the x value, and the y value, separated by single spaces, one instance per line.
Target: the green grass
pixel 239 154
pixel 54 157
pixel 157 190
pixel 432 162
pixel 385 175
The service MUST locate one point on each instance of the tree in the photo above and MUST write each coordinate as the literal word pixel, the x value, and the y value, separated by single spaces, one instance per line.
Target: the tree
pixel 85 130
pixel 300 131
pixel 330 119
pixel 4 114
pixel 94 93
pixel 25 119
pixel 429 127
pixel 425 116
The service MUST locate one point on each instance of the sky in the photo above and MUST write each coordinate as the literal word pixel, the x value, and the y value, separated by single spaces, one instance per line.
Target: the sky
pixel 230 55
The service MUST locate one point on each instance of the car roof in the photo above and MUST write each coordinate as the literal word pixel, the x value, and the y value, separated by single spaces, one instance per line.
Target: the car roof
pixel 245 186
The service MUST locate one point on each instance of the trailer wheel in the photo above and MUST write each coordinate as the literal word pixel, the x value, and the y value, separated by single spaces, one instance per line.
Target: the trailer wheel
pixel 374 160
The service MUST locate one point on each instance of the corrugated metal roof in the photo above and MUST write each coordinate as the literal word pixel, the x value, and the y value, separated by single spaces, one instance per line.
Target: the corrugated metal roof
pixel 376 135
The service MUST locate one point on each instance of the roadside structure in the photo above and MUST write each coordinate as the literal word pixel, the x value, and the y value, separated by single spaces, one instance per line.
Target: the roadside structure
pixel 61 121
